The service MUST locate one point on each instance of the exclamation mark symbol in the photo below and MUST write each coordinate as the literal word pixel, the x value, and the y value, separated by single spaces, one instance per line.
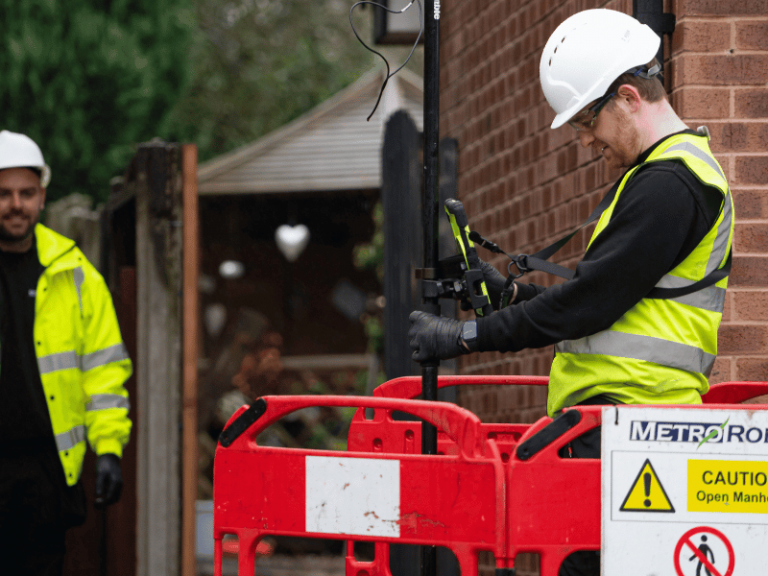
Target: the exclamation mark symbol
pixel 647 483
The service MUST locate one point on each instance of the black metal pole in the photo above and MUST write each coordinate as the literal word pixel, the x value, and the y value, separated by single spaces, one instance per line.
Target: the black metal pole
pixel 430 223
pixel 651 12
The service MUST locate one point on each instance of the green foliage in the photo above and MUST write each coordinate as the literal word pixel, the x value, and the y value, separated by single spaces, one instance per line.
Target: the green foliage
pixel 374 330
pixel 370 255
pixel 87 80
pixel 90 79
pixel 261 63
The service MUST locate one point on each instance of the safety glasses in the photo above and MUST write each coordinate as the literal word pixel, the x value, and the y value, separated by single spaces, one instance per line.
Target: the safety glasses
pixel 586 119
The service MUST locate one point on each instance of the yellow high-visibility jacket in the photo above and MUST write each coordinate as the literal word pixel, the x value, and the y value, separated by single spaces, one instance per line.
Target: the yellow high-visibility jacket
pixel 660 350
pixel 80 354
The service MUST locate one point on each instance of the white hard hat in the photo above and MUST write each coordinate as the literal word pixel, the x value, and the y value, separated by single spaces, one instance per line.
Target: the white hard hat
pixel 20 151
pixel 586 53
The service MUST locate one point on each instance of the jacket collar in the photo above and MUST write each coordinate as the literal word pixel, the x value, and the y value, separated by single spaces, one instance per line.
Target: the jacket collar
pixel 51 245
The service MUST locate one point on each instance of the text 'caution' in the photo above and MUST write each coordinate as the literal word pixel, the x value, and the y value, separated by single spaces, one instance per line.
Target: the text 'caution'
pixel 735 486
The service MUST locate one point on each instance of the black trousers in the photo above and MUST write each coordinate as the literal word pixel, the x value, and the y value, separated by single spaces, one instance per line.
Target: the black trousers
pixel 36 509
pixel 587 562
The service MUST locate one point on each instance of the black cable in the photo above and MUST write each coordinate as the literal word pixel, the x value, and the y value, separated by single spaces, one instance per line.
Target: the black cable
pixel 389 74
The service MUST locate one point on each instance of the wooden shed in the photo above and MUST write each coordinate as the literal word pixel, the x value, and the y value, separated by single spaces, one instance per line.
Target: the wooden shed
pixel 323 172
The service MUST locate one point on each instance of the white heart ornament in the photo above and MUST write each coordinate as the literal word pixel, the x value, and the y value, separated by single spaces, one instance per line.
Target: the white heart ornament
pixel 291 240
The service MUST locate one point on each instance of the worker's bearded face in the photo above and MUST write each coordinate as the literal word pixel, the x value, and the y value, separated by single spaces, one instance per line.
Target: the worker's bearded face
pixel 624 144
pixel 21 201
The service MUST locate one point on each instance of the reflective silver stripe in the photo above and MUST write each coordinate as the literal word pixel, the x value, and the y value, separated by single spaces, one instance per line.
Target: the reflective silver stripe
pixel 698 153
pixel 58 361
pixel 69 439
pixel 103 357
pixel 67 360
pixel 79 277
pixel 711 298
pixel 106 401
pixel 648 348
pixel 720 244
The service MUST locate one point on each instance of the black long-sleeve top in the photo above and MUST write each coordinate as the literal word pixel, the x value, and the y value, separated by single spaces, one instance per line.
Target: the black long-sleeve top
pixel 661 216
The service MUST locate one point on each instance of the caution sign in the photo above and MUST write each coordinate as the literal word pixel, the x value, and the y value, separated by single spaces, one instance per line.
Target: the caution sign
pixel 731 486
pixel 704 550
pixel 647 493
pixel 707 468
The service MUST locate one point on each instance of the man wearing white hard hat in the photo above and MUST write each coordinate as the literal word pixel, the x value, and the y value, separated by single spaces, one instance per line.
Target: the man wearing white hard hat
pixel 62 369
pixel 638 321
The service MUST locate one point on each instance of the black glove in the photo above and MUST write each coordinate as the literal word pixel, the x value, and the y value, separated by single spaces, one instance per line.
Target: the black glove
pixel 109 480
pixel 435 337
pixel 494 281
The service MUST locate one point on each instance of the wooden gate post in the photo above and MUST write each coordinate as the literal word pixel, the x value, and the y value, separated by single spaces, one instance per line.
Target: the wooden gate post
pixel 158 362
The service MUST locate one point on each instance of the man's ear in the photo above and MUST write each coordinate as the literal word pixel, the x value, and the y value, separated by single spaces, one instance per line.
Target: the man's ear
pixel 42 198
pixel 629 97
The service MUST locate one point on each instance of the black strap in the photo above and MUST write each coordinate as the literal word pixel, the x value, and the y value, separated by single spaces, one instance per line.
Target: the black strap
pixel 538 261
pixel 711 278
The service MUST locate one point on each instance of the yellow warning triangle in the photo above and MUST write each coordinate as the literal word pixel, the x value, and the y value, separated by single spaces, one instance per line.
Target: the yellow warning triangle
pixel 647 494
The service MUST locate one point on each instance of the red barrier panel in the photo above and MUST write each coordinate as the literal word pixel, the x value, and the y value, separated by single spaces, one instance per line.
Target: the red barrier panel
pixel 496 487
pixel 553 503
pixel 456 501
pixel 553 525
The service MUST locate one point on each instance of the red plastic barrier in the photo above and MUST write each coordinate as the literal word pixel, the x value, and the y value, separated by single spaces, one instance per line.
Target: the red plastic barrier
pixel 734 392
pixel 577 525
pixel 456 501
pixel 566 517
pixel 553 503
pixel 485 490
pixel 389 436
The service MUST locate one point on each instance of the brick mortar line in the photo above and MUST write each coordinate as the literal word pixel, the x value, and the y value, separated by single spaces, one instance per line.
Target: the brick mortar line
pixel 714 18
pixel 727 52
pixel 733 19
pixel 749 154
pixel 718 87
pixel 726 121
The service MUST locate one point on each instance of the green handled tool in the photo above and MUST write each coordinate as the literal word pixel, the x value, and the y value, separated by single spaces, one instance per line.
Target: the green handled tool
pixel 477 292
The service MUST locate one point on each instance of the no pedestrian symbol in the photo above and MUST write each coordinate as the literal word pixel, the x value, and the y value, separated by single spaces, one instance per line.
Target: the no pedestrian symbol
pixel 704 551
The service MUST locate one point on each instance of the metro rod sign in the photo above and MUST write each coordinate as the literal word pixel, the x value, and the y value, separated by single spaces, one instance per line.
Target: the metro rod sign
pixel 685 491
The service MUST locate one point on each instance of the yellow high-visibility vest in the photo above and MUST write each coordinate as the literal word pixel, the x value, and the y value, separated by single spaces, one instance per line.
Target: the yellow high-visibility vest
pixel 661 351
pixel 80 354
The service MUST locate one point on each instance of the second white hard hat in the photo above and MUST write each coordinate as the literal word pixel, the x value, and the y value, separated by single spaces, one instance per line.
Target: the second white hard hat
pixel 586 53
pixel 20 151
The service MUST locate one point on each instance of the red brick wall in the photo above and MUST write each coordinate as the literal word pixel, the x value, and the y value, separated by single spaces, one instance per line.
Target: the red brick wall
pixel 524 185
pixel 720 77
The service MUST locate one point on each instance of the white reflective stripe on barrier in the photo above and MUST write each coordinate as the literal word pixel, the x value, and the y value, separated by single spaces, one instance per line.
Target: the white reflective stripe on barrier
pixel 353 496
